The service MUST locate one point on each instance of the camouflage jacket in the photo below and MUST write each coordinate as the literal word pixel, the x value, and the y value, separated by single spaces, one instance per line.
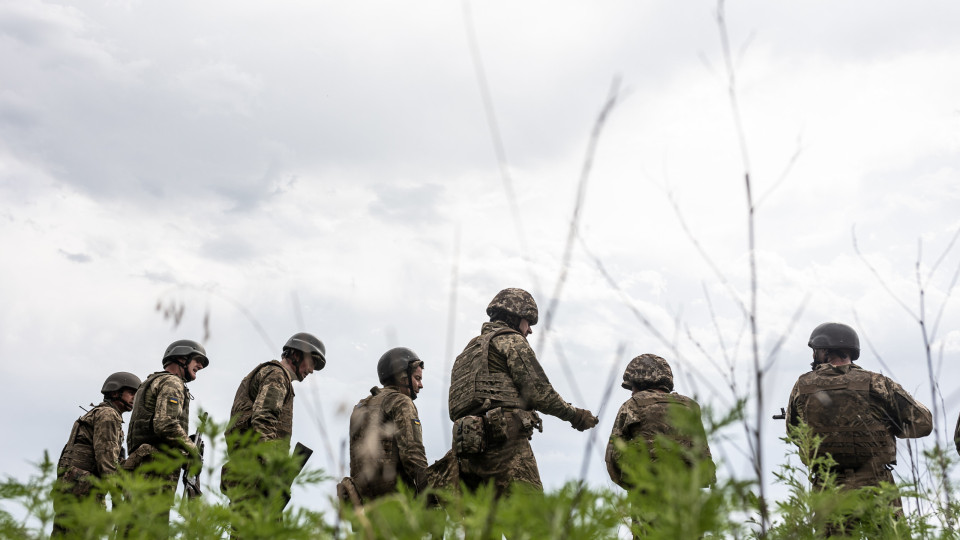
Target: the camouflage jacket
pixel 511 354
pixel 161 413
pixel 264 403
pixel 386 443
pixel 96 441
pixel 648 414
pixel 857 412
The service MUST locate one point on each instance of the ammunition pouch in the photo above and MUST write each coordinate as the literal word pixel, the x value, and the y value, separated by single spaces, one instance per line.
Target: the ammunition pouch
pixel 468 435
pixel 141 455
pixel 503 425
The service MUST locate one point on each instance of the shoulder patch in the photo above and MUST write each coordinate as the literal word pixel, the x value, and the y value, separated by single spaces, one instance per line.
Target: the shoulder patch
pixel 175 401
pixel 416 421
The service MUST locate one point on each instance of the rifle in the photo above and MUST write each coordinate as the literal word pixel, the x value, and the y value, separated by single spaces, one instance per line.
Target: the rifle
pixel 781 416
pixel 191 482
pixel 301 454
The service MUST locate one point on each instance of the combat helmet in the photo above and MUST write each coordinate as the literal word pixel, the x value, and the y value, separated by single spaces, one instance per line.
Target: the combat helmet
pixel 119 381
pixel 648 371
pixel 517 302
pixel 187 348
pixel 309 345
pixel 835 336
pixel 397 362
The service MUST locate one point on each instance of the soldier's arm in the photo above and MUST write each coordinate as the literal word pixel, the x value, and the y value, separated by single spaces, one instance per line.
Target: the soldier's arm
pixel 106 440
pixel 409 438
pixel 908 418
pixel 166 417
pixel 265 415
pixel 792 415
pixel 612 455
pixel 956 435
pixel 528 375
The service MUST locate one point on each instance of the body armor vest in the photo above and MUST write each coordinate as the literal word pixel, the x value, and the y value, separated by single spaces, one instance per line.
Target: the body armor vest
pixel 243 401
pixel 839 410
pixel 144 407
pixel 78 452
pixel 474 389
pixel 655 409
pixel 374 457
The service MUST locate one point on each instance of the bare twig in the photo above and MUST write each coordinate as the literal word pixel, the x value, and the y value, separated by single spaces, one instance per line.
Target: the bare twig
pixel 451 326
pixel 573 230
pixel 496 139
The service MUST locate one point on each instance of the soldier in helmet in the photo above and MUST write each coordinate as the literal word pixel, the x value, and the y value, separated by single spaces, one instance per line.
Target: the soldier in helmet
pixel 497 387
pixel 263 411
pixel 95 446
pixel 655 410
pixel 858 413
pixel 160 421
pixel 386 440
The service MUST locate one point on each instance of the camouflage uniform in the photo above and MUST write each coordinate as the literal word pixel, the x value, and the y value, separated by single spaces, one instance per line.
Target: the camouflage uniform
pixel 858 413
pixel 512 460
pixel 646 415
pixel 263 404
pixel 386 444
pixel 160 419
pixel 93 450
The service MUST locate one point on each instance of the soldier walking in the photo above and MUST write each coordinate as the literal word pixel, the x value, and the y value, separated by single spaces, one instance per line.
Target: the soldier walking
pixel 858 413
pixel 94 449
pixel 160 422
pixel 497 387
pixel 386 439
pixel 262 412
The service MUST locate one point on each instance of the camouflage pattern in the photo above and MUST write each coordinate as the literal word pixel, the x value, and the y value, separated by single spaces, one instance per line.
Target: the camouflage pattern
pixel 161 414
pixel 160 418
pixel 264 403
pixel 648 414
pixel 473 387
pixel 93 450
pixel 512 460
pixel 648 371
pixel 386 444
pixel 859 414
pixel 515 302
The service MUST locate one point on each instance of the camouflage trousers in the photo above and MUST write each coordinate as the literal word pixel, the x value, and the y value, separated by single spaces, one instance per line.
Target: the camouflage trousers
pixel 503 464
pixel 72 485
pixel 869 475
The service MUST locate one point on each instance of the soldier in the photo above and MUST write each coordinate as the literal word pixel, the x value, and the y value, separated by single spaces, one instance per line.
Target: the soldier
pixel 386 439
pixel 263 411
pixel 160 420
pixel 94 449
pixel 497 387
pixel 653 410
pixel 858 413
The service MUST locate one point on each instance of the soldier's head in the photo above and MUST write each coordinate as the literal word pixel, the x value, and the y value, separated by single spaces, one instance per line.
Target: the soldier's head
pixel 120 388
pixel 185 358
pixel 834 343
pixel 298 348
pixel 648 372
pixel 402 368
pixel 516 308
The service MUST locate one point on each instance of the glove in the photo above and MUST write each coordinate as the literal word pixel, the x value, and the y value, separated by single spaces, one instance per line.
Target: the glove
pixel 583 420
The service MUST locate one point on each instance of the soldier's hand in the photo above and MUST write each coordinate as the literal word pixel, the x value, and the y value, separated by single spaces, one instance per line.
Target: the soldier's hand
pixel 584 420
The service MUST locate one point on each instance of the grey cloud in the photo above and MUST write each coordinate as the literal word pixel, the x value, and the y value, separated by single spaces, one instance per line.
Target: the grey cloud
pixel 76 257
pixel 229 248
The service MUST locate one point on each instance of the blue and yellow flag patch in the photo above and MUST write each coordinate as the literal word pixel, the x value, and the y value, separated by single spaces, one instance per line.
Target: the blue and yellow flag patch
pixel 416 421
pixel 174 401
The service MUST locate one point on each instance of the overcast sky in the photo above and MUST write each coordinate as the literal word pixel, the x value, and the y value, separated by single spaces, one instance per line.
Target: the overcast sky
pixel 329 167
